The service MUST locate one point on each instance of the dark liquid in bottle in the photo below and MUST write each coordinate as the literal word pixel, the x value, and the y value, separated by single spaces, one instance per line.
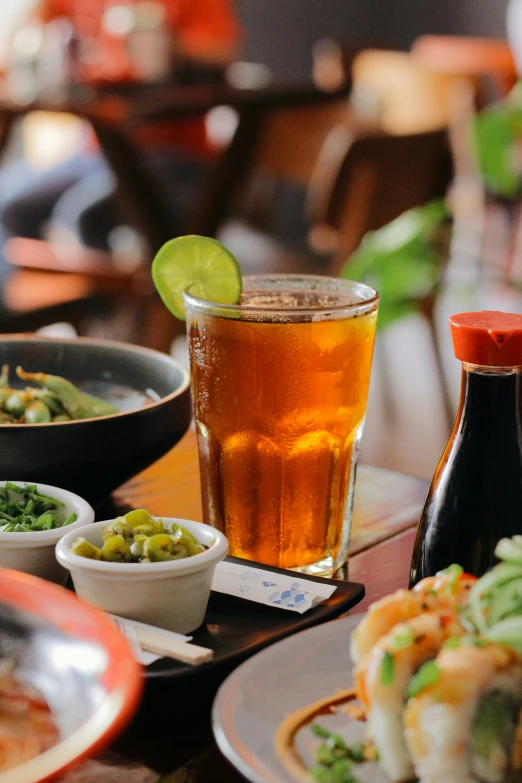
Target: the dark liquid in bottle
pixel 476 494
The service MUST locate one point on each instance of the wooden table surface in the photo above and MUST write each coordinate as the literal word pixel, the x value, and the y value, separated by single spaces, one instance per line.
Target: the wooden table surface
pixel 387 507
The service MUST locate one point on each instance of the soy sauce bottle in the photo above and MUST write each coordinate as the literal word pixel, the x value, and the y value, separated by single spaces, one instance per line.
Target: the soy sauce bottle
pixel 475 497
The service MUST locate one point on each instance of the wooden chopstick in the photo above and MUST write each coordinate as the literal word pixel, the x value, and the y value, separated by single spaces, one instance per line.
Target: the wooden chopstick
pixel 192 654
pixel 162 643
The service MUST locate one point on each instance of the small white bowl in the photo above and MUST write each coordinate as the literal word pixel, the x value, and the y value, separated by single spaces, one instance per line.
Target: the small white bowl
pixel 33 553
pixel 172 594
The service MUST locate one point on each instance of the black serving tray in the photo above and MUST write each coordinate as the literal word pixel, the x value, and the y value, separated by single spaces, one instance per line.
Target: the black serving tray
pixel 236 629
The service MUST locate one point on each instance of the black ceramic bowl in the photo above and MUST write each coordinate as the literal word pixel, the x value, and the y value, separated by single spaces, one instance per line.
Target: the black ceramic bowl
pixel 92 457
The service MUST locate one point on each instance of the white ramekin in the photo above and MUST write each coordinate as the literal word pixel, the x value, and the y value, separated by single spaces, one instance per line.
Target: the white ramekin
pixel 172 594
pixel 33 553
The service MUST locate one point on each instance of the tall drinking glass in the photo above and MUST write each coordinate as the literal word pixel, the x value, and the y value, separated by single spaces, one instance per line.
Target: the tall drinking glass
pixel 280 384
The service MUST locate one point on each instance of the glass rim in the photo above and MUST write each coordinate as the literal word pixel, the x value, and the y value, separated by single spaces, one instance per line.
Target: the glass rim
pixel 367 303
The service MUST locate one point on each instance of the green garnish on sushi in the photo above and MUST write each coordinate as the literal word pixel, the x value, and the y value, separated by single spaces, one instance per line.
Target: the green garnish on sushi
pixel 387 669
pixel 451 705
pixel 452 643
pixel 428 674
pixel 472 640
pixel 454 571
pixel 496 599
pixel 403 637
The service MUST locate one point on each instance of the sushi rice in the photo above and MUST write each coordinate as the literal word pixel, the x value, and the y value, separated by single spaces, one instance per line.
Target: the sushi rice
pixel 382 680
pixel 439 671
pixel 451 731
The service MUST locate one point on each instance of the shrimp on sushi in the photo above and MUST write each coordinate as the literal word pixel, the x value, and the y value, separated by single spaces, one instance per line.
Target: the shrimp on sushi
pixel 449 589
pixel 463 725
pixel 381 682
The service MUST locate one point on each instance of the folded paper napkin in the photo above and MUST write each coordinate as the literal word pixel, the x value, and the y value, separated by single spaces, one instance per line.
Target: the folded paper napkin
pixel 252 584
pixel 290 592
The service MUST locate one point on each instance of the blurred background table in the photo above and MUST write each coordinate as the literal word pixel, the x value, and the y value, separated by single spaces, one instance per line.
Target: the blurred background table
pixel 177 741
pixel 114 115
pixel 119 119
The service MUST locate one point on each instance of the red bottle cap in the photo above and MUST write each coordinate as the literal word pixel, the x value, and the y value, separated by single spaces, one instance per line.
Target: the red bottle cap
pixel 489 338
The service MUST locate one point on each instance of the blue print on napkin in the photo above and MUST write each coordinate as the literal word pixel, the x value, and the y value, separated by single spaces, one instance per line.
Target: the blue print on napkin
pixel 269 584
pixel 290 598
pixel 250 574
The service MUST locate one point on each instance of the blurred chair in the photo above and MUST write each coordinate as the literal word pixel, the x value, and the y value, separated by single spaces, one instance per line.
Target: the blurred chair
pixel 402 95
pixel 488 62
pixel 286 152
pixel 361 184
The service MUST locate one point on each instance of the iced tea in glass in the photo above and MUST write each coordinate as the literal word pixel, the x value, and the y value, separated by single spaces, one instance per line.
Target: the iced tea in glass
pixel 280 384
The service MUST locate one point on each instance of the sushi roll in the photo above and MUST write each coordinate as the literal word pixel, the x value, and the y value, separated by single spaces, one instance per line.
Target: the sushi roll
pixel 444 591
pixel 463 726
pixel 381 683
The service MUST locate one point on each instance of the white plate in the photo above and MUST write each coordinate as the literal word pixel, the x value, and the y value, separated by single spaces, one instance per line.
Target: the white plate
pixel 257 696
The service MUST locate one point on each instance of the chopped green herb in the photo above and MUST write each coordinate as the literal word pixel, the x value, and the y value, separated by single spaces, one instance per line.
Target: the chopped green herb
pixel 24 510
pixel 403 637
pixel 342 771
pixel 356 751
pixel 335 757
pixel 472 640
pixel 454 572
pixel 337 773
pixel 325 755
pixel 320 731
pixel 336 742
pixel 14 487
pixel 428 674
pixel 321 774
pixel 387 669
pixel 452 643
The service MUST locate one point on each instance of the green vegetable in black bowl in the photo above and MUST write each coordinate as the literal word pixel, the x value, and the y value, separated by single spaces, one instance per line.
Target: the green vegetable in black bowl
pixel 57 400
pixel 24 510
pixel 93 456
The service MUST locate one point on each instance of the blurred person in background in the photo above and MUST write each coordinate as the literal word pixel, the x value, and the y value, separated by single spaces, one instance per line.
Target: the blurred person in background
pixel 76 198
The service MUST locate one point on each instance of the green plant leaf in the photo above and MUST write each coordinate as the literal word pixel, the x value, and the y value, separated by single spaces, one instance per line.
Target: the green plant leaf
pixel 401 261
pixel 494 132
